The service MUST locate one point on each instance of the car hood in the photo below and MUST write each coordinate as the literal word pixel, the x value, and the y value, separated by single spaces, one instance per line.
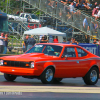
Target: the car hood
pixel 29 57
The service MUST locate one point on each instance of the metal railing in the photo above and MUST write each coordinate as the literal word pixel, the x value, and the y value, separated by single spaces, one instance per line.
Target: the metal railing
pixel 17 27
pixel 63 12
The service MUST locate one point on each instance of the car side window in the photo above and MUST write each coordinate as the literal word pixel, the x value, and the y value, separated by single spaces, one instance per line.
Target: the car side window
pixel 81 53
pixel 22 15
pixel 70 52
pixel 48 49
pixel 27 16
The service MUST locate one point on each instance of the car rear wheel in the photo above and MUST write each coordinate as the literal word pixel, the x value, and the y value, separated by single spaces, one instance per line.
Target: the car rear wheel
pixel 92 76
pixel 47 76
pixel 9 77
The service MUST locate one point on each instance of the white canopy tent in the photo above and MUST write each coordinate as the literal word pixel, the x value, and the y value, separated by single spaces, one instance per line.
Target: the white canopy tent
pixel 46 31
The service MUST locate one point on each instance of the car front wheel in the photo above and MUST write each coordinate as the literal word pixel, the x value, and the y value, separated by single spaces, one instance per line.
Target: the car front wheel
pixel 47 76
pixel 9 77
pixel 91 77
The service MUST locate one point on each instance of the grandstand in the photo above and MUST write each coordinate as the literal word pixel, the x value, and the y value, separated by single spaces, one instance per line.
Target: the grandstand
pixel 59 17
pixel 57 11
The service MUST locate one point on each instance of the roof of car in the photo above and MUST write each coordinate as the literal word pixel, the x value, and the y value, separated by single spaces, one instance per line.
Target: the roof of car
pixel 60 44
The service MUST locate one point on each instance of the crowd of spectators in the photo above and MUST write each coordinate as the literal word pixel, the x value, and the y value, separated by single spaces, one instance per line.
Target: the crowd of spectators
pixel 3 43
pixel 68 13
pixel 79 4
pixel 84 4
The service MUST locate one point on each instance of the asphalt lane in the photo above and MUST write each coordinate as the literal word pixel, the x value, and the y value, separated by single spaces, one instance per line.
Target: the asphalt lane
pixel 33 89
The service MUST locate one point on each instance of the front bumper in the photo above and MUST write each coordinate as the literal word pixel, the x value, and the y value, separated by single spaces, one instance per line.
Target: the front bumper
pixel 19 71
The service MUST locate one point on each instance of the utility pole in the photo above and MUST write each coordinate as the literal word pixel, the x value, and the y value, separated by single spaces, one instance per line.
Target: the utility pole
pixel 6 6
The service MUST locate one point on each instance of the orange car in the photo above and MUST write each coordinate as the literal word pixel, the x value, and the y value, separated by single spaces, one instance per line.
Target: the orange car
pixel 51 62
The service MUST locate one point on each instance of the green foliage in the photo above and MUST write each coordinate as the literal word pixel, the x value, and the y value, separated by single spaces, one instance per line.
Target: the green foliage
pixel 11 6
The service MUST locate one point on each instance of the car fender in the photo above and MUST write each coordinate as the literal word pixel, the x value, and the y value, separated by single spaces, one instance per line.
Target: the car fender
pixel 48 64
pixel 94 64
pixel 42 65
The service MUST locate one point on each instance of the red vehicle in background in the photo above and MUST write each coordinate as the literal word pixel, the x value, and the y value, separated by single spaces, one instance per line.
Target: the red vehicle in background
pixel 32 26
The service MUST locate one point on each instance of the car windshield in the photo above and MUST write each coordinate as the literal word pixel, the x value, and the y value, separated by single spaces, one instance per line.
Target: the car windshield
pixel 52 50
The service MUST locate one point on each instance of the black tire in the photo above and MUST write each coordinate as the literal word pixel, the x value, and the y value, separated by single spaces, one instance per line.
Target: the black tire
pixel 11 19
pixel 47 76
pixel 57 80
pixel 9 77
pixel 92 76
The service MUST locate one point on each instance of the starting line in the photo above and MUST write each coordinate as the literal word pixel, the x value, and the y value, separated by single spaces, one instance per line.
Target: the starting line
pixel 53 89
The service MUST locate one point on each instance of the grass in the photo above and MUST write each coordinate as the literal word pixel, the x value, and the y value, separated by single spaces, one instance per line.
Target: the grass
pixel 13 42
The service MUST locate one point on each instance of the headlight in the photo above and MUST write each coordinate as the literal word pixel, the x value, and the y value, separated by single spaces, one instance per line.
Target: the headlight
pixel 1 62
pixel 32 64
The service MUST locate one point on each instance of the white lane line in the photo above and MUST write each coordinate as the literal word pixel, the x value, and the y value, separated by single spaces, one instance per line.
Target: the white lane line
pixel 1 73
pixel 54 89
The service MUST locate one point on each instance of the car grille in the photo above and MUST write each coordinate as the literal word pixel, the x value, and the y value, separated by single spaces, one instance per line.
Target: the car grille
pixel 16 64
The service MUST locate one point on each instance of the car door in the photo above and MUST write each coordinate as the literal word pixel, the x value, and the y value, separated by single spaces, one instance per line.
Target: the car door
pixel 84 62
pixel 26 17
pixel 22 17
pixel 70 63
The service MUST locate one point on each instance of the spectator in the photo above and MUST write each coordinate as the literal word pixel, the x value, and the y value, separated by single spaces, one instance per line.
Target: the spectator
pixel 98 42
pixel 65 2
pixel 71 7
pixel 60 13
pixel 87 5
pixel 87 39
pixel 64 41
pixel 83 3
pixel 85 24
pixel 95 12
pixel 18 13
pixel 68 41
pixel 96 27
pixel 94 5
pixel 77 6
pixel 70 1
pixel 25 42
pixel 30 42
pixel 2 42
pixel 73 41
pixel 50 39
pixel 98 14
pixel 75 2
pixel 99 6
pixel 92 28
pixel 28 19
pixel 95 41
pixel 55 40
pixel 44 39
pixel 5 43
pixel 23 46
pixel 51 3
